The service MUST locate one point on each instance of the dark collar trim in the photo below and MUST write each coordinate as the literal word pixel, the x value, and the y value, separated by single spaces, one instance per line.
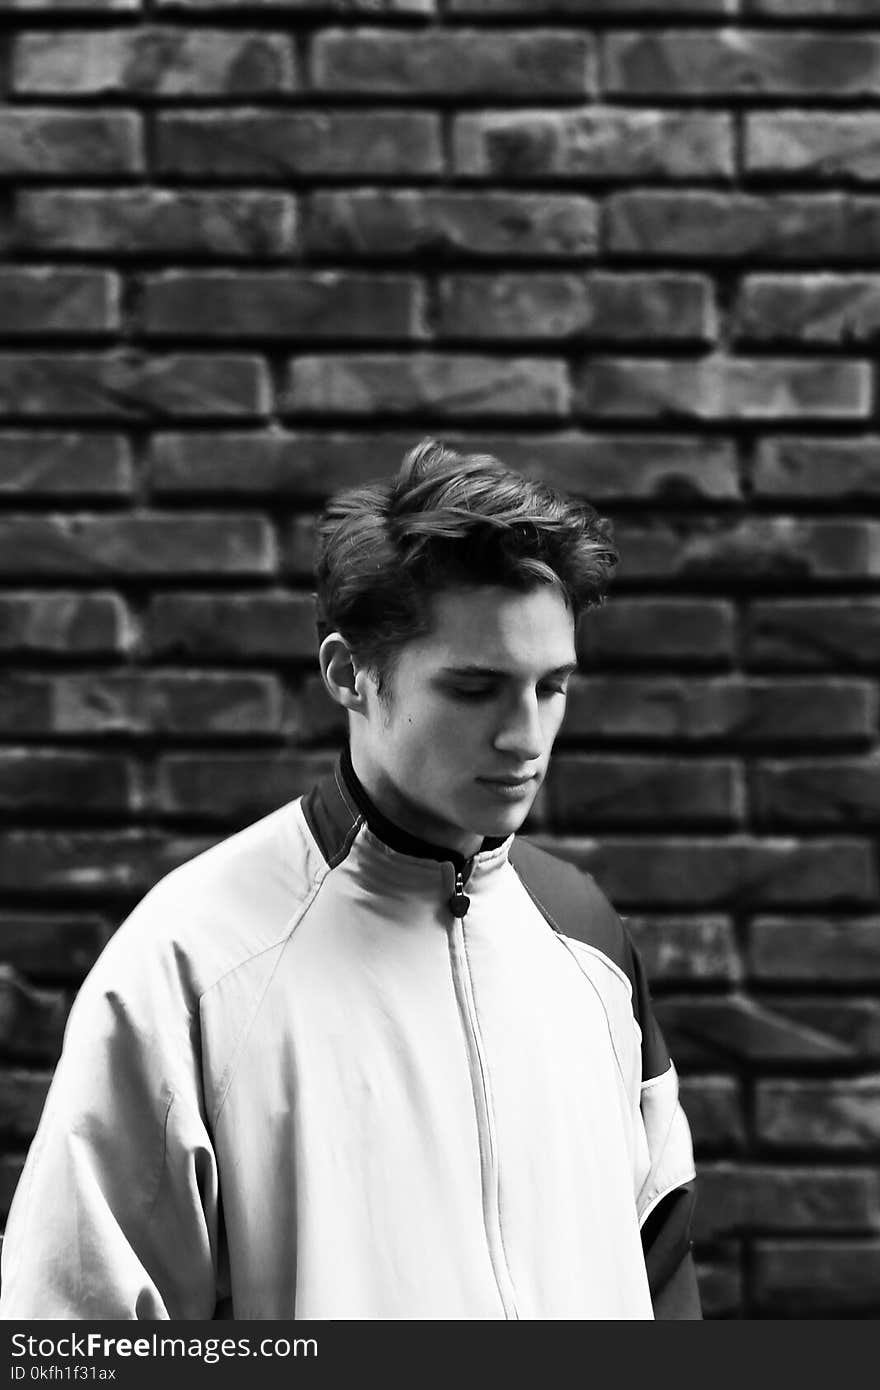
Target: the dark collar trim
pixel 332 817
pixel 337 807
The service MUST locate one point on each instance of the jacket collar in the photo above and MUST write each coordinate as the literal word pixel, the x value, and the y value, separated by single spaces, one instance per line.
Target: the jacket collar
pixel 339 804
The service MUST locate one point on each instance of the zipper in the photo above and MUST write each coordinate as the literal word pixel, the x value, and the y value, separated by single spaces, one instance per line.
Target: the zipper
pixel 489 1178
pixel 459 902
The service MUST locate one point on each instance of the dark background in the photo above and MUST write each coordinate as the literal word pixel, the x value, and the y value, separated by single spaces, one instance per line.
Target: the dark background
pixel 251 253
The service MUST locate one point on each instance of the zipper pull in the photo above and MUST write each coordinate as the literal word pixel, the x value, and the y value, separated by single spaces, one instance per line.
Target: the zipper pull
pixel 459 902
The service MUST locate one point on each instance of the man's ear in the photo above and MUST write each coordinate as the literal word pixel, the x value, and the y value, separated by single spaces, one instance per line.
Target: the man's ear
pixel 344 677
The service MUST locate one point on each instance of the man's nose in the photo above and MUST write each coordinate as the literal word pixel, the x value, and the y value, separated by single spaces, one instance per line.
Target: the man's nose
pixel 520 732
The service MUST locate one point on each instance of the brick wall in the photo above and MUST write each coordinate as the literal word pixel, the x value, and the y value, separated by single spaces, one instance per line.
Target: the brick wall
pixel 251 252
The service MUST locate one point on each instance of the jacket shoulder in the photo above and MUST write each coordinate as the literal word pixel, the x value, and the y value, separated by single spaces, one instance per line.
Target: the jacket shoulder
pixel 575 906
pixel 571 901
pixel 216 912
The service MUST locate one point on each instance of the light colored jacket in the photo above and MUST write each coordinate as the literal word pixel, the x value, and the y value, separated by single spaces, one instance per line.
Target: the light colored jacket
pixel 296 1085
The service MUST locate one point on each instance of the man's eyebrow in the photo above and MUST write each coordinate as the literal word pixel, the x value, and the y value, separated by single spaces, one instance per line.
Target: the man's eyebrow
pixel 477 670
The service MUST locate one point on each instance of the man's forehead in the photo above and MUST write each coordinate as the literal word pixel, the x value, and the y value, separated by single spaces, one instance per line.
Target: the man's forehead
pixel 501 628
pixel 485 668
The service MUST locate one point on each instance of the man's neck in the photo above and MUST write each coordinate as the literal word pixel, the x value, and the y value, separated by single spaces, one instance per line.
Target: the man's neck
pixel 383 821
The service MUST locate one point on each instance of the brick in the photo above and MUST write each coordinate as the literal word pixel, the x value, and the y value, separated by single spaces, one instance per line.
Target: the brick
pixel 741 62
pixel 152 61
pixel 300 547
pixel 449 224
pixel 49 301
pixel 735 871
pixel 45 141
pixel 594 142
pixel 143 544
pixel 25 704
pixel 279 626
pixel 778 229
pixel 612 8
pixel 720 1281
pixel 823 146
pixel 309 464
pixel 311 715
pixel 85 6
pixel 142 221
pixel 46 463
pixel 668 469
pixel 289 305
pixel 836 309
pixel 723 1031
pixel 147 703
pixel 827 634
pixel 243 787
pixel 686 948
pixel 31 1020
pixel 90 385
pixel 848 1024
pixel 750 713
pixel 794 466
pixel 812 1278
pixel 833 1114
pixel 277 145
pixel 719 388
pixel 90 864
pixel 196 705
pixel 806 949
pixel 65 624
pixel 737 1199
pixel 586 790
pixel 813 791
pixel 783 549
pixel 46 780
pixel 300 464
pixel 409 383
pixel 811 9
pixel 52 945
pixel 550 64
pixel 11 1166
pixel 715 1111
pixel 667 631
pixel 369 7
pixel 22 1096
pixel 829 711
pixel 599 306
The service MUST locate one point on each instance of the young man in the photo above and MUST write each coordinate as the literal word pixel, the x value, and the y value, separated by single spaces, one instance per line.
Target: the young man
pixel 372 1057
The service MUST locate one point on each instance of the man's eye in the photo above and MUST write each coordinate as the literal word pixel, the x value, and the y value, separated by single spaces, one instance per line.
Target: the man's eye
pixel 472 692
pixel 552 689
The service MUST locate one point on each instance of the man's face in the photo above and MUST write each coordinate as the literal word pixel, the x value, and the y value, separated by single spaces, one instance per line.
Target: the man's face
pixel 462 745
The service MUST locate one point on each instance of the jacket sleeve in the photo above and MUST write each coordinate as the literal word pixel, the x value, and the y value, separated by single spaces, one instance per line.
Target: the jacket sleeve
pixel 116 1212
pixel 577 908
pixel 666 1200
pixel 667 1245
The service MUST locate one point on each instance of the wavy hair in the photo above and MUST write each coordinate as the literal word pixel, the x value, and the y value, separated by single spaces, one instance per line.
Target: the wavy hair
pixel 447 520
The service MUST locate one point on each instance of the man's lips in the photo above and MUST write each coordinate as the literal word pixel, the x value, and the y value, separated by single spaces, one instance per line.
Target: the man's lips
pixel 509 788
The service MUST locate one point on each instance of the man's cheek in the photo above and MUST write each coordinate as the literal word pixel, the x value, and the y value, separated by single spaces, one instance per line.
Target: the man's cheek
pixel 552 730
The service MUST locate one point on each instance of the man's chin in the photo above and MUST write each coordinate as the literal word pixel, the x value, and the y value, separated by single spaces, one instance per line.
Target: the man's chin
pixel 505 821
pixel 492 816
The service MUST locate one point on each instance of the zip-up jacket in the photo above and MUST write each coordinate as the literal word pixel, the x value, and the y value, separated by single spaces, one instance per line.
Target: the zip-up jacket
pixel 326 1071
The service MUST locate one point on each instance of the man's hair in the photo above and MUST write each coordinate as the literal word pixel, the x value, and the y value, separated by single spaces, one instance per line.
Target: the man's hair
pixel 449 520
